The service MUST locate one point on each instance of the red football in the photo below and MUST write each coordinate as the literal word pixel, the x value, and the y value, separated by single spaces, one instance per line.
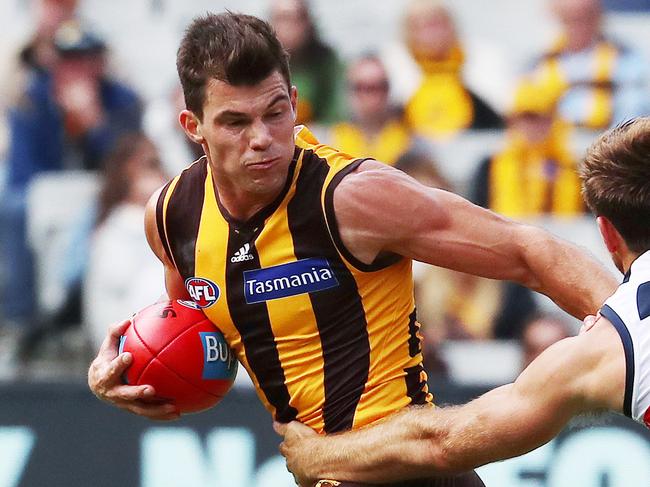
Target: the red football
pixel 178 350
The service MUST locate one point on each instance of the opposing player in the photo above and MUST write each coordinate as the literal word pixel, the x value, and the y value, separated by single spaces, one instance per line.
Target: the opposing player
pixel 606 367
pixel 301 254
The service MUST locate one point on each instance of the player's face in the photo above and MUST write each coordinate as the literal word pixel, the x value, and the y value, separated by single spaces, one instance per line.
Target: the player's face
pixel 248 134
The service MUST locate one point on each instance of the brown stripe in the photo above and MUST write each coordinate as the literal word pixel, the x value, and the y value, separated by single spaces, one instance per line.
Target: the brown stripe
pixel 416 384
pixel 160 220
pixel 184 216
pixel 415 347
pixel 254 326
pixel 339 312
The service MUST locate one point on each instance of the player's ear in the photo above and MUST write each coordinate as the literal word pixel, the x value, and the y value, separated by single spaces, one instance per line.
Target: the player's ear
pixel 191 125
pixel 612 238
pixel 293 97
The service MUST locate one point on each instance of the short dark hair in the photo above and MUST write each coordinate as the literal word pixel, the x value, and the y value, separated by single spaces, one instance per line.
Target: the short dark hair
pixel 236 48
pixel 616 180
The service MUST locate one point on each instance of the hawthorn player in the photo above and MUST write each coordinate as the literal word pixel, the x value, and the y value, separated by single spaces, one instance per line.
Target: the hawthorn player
pixel 310 249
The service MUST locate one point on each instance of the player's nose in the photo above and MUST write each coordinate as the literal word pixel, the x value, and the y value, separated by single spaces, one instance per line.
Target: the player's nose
pixel 259 136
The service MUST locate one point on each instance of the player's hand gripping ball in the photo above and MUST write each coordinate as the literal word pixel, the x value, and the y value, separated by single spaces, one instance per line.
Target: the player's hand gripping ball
pixel 178 350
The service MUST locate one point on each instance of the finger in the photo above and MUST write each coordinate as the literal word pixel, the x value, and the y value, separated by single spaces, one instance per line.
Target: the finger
pixel 133 393
pixel 153 411
pixel 109 345
pixel 280 428
pixel 589 322
pixel 117 367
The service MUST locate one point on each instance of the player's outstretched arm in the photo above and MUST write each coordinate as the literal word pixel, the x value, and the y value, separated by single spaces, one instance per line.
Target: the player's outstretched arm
pixel 380 209
pixel 576 375
pixel 105 372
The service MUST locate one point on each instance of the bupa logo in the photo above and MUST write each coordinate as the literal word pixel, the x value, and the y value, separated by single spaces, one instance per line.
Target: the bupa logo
pixel 218 359
pixel 203 291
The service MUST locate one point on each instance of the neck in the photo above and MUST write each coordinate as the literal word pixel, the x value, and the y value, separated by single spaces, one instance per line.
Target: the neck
pixel 239 203
pixel 242 205
pixel 627 260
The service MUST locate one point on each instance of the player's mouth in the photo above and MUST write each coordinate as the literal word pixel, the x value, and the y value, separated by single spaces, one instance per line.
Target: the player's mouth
pixel 263 164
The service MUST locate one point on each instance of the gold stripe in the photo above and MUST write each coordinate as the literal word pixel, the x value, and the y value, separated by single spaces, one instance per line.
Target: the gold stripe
pixel 293 321
pixel 211 264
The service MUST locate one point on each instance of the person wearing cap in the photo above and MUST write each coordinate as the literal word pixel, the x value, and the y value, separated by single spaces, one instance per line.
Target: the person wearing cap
pixel 596 80
pixel 68 116
pixel 535 172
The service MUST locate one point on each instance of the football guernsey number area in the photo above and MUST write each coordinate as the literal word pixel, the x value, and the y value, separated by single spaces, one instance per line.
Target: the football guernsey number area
pixel 300 277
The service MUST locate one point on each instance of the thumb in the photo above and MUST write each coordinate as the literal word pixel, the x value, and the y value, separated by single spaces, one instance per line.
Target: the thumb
pixel 280 428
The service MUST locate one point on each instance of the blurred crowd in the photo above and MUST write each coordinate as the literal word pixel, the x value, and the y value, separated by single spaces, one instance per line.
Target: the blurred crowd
pixel 84 151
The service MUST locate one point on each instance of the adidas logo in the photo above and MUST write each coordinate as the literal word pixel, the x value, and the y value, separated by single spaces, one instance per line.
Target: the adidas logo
pixel 242 254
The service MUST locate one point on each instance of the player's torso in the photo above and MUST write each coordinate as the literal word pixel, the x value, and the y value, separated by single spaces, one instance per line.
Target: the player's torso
pixel 310 327
pixel 628 309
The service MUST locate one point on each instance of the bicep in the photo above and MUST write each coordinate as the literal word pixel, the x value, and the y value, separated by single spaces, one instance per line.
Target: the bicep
pixel 386 211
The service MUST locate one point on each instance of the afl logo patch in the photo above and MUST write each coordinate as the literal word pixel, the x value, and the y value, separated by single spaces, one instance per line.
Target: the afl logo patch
pixel 203 291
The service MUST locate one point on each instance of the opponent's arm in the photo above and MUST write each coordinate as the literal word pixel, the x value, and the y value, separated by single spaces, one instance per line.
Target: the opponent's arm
pixel 105 372
pixel 576 375
pixel 381 210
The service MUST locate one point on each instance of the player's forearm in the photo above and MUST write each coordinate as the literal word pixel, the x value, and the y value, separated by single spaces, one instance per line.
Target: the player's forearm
pixel 569 275
pixel 397 449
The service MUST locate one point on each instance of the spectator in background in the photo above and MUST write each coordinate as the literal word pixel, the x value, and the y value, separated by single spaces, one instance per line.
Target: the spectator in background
pixel 37 53
pixel 540 332
pixel 161 124
pixel 69 116
pixel 535 173
pixel 315 67
pixel 122 274
pixel 40 53
pixel 427 73
pixel 627 5
pixel 596 81
pixel 376 128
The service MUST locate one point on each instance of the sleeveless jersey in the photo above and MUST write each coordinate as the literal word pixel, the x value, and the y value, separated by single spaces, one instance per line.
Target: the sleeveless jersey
pixel 325 338
pixel 628 309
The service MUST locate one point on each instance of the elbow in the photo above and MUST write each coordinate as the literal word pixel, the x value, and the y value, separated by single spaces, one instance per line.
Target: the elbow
pixel 440 458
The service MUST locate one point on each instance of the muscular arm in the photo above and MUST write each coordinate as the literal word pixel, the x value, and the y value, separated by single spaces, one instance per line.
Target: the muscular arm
pixel 381 210
pixel 576 375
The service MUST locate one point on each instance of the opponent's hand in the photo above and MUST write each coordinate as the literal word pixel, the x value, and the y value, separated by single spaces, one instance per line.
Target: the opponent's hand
pixel 295 449
pixel 104 379
pixel 588 323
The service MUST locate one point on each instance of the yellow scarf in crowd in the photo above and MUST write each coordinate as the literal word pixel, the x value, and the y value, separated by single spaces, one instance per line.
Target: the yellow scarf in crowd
pixel 528 180
pixel 387 146
pixel 599 112
pixel 441 106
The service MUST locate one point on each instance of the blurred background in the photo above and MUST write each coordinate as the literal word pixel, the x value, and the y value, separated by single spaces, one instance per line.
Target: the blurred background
pixel 496 101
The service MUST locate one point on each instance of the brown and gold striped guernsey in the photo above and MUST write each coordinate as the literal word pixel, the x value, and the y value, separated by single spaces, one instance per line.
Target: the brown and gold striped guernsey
pixel 326 339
